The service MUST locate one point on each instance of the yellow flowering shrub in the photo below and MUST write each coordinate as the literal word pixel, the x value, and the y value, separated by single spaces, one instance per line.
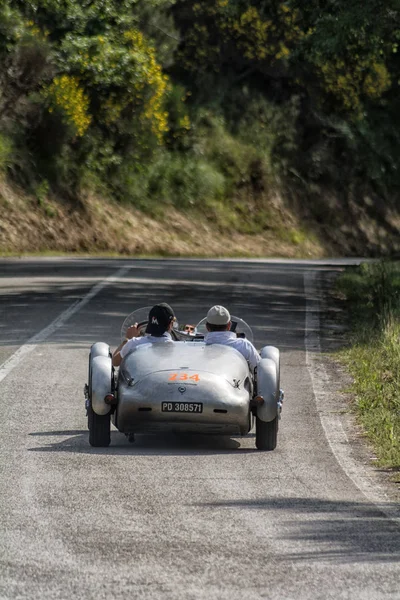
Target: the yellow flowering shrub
pixel 256 37
pixel 377 81
pixel 65 94
pixel 126 81
pixel 261 38
pixel 184 123
pixel 254 34
pixel 26 29
pixel 151 76
pixel 33 29
pixel 349 81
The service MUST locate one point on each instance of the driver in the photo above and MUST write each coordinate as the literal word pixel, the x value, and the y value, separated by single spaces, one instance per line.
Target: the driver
pixel 161 321
pixel 218 326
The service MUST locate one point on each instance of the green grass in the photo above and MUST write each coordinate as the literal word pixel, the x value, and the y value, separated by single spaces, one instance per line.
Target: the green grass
pixel 6 153
pixel 372 292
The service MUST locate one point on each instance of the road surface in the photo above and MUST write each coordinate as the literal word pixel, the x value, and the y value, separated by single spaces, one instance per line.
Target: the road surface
pixel 204 518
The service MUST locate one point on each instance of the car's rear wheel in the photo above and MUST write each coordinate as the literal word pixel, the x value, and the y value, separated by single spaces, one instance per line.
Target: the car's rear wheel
pixel 99 429
pixel 101 375
pixel 266 434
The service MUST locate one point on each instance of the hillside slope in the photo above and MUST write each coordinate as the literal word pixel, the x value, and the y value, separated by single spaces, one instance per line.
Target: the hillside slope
pixel 263 128
pixel 96 225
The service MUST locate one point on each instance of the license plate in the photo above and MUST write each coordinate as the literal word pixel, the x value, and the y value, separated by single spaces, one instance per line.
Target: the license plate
pixel 182 407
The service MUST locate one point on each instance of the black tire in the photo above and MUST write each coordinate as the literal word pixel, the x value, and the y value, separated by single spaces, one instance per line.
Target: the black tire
pixel 99 429
pixel 89 392
pixel 266 434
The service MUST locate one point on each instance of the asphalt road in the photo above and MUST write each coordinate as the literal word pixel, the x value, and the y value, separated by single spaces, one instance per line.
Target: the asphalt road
pixel 166 518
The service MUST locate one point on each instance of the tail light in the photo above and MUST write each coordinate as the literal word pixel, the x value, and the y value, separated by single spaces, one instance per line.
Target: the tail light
pixel 110 399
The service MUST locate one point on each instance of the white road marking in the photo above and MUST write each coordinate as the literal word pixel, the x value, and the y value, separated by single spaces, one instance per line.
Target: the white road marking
pixel 40 337
pixel 364 478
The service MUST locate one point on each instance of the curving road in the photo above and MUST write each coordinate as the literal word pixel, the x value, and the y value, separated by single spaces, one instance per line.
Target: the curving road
pixel 205 518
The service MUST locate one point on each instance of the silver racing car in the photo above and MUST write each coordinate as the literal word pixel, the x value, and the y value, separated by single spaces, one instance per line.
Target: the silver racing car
pixel 186 386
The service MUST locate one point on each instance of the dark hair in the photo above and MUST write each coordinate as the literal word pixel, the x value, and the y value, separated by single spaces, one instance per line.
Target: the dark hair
pixel 211 327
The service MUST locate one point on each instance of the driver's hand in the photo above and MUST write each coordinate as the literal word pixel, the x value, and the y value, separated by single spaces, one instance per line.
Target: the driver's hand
pixel 133 331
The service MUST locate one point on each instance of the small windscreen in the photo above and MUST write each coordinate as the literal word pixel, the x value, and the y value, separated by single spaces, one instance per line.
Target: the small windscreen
pixel 238 326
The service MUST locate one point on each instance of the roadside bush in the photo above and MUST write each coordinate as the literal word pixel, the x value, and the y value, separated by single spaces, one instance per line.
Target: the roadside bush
pixel 272 130
pixel 231 156
pixel 171 180
pixel 179 122
pixel 373 295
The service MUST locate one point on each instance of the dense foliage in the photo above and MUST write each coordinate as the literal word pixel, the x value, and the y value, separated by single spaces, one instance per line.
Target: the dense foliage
pixel 183 101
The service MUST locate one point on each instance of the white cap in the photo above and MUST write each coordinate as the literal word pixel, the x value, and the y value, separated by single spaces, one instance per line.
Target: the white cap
pixel 218 315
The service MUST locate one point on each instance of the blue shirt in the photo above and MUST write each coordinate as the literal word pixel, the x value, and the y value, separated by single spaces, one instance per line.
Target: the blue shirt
pixel 228 338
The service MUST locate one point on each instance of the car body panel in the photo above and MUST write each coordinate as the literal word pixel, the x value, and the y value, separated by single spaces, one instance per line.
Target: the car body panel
pixel 221 360
pixel 215 376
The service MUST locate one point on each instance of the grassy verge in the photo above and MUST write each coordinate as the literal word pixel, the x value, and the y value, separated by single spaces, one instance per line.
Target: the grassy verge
pixel 372 292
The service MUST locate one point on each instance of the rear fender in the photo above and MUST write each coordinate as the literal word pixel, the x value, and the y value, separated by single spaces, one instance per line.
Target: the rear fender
pixel 101 383
pixel 268 388
pixel 99 349
pixel 273 353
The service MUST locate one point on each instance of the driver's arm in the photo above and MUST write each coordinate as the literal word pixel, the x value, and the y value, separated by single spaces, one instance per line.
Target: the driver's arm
pixel 132 332
pixel 116 357
pixel 253 356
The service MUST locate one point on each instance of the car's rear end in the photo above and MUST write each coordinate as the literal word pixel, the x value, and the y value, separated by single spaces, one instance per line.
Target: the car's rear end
pixel 184 387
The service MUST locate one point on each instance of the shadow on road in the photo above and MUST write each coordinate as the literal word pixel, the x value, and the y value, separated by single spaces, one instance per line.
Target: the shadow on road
pixel 160 444
pixel 312 529
pixel 349 531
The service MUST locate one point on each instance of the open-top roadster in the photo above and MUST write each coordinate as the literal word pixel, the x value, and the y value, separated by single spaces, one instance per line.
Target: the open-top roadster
pixel 185 386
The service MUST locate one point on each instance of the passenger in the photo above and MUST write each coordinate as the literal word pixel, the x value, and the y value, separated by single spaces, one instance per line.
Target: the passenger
pixel 161 321
pixel 218 325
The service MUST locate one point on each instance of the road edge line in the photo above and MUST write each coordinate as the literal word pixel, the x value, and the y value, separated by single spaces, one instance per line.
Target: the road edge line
pixel 14 360
pixel 363 478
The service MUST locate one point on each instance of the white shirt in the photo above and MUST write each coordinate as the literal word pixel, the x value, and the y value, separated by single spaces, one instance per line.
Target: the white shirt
pixel 147 339
pixel 228 338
